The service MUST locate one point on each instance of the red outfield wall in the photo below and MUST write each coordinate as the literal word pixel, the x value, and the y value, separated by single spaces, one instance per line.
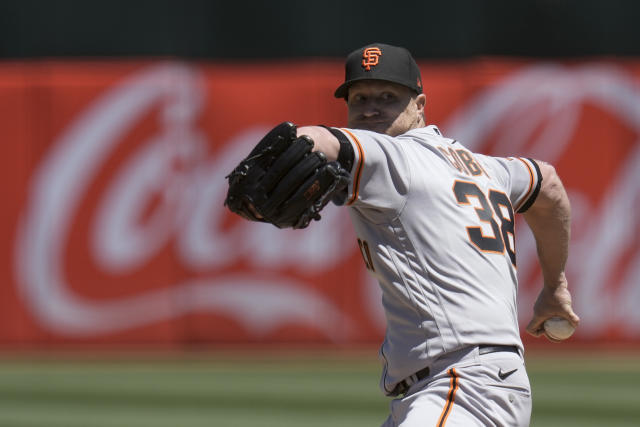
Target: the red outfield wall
pixel 114 231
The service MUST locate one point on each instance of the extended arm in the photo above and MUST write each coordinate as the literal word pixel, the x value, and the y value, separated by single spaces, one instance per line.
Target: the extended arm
pixel 550 221
pixel 288 178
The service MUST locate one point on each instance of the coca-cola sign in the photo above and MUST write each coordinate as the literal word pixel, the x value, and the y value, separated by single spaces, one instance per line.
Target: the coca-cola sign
pixel 172 165
pixel 122 233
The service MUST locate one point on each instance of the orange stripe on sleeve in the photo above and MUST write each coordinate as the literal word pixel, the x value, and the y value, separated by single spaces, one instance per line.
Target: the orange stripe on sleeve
pixel 451 396
pixel 356 178
pixel 531 186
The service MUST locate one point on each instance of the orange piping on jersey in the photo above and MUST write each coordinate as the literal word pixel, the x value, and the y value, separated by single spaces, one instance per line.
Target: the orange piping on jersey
pixel 494 237
pixel 356 181
pixel 451 396
pixel 531 186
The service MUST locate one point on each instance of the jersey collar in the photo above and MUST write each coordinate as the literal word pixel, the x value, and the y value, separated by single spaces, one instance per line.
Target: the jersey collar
pixel 430 130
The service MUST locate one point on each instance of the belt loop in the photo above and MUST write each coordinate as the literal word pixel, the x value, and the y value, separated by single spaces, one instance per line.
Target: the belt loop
pixel 403 386
pixel 413 378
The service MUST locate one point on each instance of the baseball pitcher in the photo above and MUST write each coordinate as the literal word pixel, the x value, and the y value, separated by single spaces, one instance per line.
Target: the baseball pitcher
pixel 435 224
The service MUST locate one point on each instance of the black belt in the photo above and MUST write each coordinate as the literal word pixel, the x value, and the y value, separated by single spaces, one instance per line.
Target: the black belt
pixel 403 386
pixel 485 349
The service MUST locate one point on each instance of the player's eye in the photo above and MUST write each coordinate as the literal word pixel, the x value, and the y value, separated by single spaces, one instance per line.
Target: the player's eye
pixel 357 99
pixel 388 97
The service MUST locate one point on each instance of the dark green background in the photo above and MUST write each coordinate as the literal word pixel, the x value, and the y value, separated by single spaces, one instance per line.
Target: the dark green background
pixel 291 28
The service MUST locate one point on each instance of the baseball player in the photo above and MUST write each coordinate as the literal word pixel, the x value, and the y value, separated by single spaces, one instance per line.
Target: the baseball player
pixel 435 225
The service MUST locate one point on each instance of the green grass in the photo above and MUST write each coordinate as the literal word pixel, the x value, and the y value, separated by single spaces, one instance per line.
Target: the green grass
pixel 585 390
pixel 239 391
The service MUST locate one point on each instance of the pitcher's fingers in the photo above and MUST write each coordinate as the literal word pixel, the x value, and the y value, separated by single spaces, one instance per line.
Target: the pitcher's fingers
pixel 574 319
pixel 571 316
pixel 535 327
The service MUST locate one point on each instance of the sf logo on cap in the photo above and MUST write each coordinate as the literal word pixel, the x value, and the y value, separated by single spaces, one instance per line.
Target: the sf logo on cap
pixel 370 57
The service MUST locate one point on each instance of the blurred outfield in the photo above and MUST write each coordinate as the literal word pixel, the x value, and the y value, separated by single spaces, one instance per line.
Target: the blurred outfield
pixel 236 390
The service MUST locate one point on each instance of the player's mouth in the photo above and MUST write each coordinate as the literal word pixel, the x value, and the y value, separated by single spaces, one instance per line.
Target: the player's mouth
pixel 374 125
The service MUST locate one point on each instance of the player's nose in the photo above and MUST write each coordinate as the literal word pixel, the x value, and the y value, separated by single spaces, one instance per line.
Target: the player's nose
pixel 370 112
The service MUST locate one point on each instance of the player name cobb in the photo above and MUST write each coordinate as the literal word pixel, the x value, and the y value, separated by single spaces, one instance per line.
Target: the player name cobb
pixel 173 169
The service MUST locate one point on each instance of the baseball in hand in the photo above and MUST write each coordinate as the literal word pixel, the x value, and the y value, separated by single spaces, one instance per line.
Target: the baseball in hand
pixel 558 328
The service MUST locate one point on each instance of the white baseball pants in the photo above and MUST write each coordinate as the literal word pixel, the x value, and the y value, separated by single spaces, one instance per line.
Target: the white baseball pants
pixel 466 389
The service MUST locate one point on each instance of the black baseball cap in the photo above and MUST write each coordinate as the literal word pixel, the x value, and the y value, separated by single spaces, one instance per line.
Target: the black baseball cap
pixel 379 61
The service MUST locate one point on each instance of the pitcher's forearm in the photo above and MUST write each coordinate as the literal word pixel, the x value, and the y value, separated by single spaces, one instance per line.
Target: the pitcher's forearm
pixel 550 221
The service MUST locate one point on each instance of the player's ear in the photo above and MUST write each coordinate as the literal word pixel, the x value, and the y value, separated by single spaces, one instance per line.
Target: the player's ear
pixel 421 102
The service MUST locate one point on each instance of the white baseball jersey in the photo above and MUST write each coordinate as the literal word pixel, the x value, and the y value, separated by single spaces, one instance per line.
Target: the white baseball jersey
pixel 435 224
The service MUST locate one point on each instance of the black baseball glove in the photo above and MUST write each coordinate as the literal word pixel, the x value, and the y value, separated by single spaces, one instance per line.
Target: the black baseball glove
pixel 283 182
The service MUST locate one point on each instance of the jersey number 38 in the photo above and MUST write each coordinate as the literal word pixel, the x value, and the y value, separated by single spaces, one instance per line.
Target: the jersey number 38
pixel 494 204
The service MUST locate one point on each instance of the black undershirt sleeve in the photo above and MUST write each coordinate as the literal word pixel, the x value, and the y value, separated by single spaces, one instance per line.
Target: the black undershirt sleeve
pixel 346 155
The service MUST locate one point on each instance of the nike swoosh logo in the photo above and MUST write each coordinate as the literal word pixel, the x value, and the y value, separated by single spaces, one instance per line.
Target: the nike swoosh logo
pixel 504 375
